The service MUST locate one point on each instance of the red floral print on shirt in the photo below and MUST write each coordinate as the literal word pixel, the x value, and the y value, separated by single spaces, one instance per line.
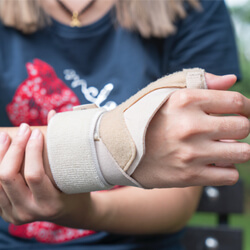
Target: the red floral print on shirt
pixel 47 232
pixel 38 94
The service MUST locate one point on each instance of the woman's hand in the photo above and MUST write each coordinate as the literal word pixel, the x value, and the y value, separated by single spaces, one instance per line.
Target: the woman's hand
pixel 186 144
pixel 28 194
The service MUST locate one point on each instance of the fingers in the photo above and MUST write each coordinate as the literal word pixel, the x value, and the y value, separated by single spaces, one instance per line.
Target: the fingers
pixel 4 145
pixel 213 101
pixel 14 157
pixel 34 172
pixel 4 200
pixel 227 153
pixel 218 176
pixel 5 204
pixel 12 181
pixel 226 102
pixel 228 127
pixel 237 101
pixel 220 82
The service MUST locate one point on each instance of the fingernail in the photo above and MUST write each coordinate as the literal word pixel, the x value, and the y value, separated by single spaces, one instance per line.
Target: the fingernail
pixel 22 129
pixel 35 134
pixel 230 75
pixel 3 138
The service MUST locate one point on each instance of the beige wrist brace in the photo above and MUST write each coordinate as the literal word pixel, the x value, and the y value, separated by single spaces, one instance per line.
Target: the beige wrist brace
pixel 91 149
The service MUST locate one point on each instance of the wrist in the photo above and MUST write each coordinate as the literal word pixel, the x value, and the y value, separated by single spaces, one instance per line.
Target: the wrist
pixel 46 165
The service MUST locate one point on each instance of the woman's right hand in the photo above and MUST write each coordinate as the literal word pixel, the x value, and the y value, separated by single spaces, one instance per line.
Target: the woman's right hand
pixel 27 193
pixel 189 142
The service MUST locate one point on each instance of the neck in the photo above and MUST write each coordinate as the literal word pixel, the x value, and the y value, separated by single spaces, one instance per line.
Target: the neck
pixel 76 5
pixel 91 15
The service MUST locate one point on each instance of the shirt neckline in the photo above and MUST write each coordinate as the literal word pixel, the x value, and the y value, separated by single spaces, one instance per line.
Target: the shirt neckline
pixel 93 29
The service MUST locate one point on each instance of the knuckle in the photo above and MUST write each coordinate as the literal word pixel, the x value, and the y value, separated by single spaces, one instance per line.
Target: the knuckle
pixel 223 126
pixel 21 218
pixel 17 141
pixel 50 212
pixel 33 178
pixel 232 178
pixel 190 176
pixel 6 178
pixel 16 222
pixel 245 152
pixel 238 100
pixel 188 129
pixel 185 97
pixel 32 145
pixel 245 125
pixel 18 145
pixel 187 156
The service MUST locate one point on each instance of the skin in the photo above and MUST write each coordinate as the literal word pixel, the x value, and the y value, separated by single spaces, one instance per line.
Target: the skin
pixel 97 10
pixel 28 192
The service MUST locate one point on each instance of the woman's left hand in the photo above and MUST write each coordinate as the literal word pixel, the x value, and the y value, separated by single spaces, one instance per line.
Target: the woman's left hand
pixel 28 194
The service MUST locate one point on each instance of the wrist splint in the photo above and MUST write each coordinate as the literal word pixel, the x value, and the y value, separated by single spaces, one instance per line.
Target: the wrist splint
pixel 92 149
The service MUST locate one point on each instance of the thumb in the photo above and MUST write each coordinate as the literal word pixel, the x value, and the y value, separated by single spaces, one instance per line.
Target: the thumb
pixel 220 82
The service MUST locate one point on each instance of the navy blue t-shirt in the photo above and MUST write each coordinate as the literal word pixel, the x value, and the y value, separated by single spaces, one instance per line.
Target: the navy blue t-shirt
pixel 59 67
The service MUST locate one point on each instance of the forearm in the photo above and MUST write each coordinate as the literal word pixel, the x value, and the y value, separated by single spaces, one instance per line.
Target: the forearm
pixel 132 210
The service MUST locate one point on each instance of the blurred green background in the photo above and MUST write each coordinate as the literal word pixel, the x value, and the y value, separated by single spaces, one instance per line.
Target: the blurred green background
pixel 241 20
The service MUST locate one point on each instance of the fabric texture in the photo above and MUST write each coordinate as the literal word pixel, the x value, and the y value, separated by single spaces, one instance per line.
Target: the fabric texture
pixel 72 153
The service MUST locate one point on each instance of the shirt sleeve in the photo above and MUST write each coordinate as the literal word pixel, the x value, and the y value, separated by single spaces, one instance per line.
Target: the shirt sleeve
pixel 204 39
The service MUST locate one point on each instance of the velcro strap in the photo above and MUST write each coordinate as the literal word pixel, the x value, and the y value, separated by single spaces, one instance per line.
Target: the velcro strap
pixel 71 151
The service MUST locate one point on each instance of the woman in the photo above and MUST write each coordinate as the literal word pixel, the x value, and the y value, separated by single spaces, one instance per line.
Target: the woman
pixel 60 66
